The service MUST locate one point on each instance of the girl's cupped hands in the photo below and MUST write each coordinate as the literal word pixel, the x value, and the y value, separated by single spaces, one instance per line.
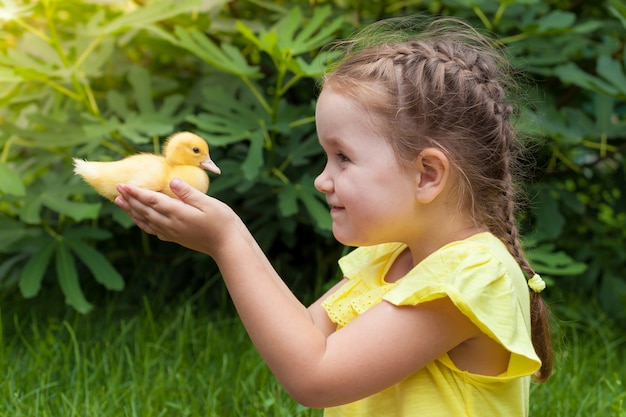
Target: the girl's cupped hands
pixel 194 220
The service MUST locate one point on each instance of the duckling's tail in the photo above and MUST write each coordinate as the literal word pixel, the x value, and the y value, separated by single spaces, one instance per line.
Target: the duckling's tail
pixel 84 169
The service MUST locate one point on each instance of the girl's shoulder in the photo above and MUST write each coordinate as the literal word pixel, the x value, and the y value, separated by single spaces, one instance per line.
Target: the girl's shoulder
pixel 479 252
pixel 480 264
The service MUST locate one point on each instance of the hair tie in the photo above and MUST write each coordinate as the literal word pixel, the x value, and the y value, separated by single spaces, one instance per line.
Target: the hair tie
pixel 536 283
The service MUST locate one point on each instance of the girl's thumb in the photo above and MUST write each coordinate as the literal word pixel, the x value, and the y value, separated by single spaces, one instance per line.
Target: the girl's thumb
pixel 185 192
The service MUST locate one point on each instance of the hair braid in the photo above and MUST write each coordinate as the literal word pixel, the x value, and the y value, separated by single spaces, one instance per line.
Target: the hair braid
pixel 508 232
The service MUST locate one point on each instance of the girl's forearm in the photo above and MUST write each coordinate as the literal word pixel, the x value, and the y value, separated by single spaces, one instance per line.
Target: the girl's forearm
pixel 278 324
pixel 230 258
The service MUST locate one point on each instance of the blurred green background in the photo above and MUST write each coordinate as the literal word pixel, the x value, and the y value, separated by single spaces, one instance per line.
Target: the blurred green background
pixel 102 80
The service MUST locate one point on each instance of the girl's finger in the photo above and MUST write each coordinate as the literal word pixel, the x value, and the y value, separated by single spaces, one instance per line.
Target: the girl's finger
pixel 139 202
pixel 187 193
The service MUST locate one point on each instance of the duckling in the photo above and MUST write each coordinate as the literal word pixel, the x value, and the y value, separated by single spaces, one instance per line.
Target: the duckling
pixel 185 155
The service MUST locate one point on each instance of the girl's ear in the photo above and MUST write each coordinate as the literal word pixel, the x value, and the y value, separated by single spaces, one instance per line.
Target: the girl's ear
pixel 433 171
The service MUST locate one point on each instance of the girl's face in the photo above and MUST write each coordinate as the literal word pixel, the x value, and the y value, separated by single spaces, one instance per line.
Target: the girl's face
pixel 372 197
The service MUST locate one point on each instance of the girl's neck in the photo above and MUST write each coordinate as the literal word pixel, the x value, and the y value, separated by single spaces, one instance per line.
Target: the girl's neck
pixel 414 254
pixel 421 250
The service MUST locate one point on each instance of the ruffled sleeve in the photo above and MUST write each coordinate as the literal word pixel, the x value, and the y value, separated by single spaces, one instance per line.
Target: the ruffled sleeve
pixel 365 268
pixel 484 282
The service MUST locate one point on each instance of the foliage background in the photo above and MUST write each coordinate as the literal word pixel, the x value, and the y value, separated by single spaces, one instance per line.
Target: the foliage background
pixel 102 80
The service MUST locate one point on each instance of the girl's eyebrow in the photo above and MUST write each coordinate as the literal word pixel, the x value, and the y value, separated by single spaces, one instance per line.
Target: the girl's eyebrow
pixel 332 141
pixel 336 142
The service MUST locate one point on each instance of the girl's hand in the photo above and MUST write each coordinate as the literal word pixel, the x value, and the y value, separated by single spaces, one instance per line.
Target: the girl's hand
pixel 196 221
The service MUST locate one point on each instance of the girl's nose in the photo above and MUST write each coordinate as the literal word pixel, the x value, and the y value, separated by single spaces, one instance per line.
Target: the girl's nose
pixel 323 183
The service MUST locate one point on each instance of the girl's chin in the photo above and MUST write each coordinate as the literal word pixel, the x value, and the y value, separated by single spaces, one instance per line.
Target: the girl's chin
pixel 345 239
pixel 349 238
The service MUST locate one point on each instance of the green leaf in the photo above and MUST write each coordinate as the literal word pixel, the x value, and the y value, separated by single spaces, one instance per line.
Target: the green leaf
pixel 587 27
pixel 556 20
pixel 603 106
pixel 9 275
pixel 117 102
pixel 58 133
pixel 287 27
pixel 146 15
pixel 618 9
pixel 612 71
pixel 310 197
pixel 222 131
pixel 140 127
pixel 77 211
pixel 35 269
pixel 264 42
pixel 171 104
pixel 35 59
pixel 231 177
pixel 68 280
pixel 97 59
pixel 139 79
pixel 53 192
pixel 550 221
pixel 200 45
pixel 8 75
pixel 613 294
pixel 317 32
pixel 313 69
pixel 288 200
pixel 29 213
pixel 11 182
pixel 12 231
pixel 547 260
pixel 121 218
pixel 99 266
pixel 572 201
pixel 88 232
pixel 571 73
pixel 283 41
pixel 233 114
pixel 40 51
pixel 254 160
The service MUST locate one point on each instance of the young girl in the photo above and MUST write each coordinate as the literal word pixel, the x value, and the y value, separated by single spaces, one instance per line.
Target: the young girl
pixel 433 317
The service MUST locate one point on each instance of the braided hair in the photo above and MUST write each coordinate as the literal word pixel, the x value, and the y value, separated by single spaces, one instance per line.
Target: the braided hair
pixel 446 87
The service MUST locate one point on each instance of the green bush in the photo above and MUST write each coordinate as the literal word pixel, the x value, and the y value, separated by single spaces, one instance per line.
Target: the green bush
pixel 101 82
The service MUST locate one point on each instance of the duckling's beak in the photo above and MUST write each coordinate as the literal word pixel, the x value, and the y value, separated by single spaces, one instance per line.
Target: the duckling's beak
pixel 209 165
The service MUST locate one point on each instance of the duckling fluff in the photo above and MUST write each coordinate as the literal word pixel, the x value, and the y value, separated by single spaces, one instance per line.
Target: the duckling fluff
pixel 185 156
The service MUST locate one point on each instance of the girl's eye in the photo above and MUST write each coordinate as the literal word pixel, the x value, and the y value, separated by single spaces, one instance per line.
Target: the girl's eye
pixel 342 157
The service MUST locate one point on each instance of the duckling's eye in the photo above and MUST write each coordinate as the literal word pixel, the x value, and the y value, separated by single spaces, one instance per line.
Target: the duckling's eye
pixel 196 150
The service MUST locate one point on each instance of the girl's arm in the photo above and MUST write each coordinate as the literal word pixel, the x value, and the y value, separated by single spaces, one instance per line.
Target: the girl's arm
pixel 317 366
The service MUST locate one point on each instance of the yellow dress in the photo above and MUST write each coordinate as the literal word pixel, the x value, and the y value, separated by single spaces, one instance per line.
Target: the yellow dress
pixel 485 283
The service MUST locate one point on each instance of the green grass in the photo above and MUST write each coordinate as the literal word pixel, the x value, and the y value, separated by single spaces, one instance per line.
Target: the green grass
pixel 186 359
pixel 180 360
pixel 590 368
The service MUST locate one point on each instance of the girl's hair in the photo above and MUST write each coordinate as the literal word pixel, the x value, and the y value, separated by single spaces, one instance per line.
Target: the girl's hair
pixel 440 83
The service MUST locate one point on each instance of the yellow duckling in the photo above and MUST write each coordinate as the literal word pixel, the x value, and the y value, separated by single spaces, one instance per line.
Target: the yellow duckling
pixel 184 156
